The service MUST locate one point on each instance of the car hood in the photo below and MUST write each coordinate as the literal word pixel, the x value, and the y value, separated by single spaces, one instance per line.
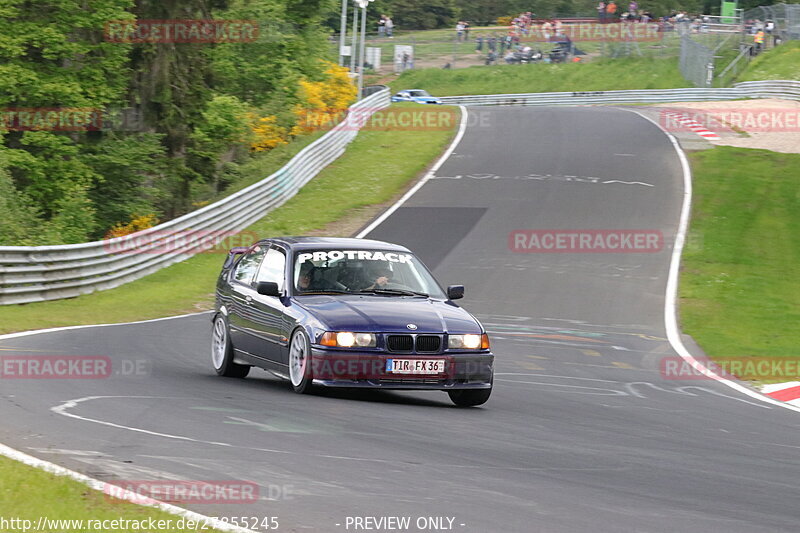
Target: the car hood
pixel 370 313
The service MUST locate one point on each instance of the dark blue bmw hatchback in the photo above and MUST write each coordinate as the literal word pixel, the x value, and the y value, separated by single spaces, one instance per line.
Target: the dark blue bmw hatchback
pixel 356 313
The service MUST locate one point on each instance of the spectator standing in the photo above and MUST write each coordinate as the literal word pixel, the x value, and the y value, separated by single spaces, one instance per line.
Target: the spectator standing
pixel 611 11
pixel 769 28
pixel 633 9
pixel 758 40
pixel 389 27
pixel 601 12
pixel 459 31
pixel 382 26
pixel 479 43
pixel 466 30
pixel 547 30
pixel 492 43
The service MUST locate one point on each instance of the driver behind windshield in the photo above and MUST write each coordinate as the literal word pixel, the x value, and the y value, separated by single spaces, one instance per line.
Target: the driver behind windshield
pixel 304 280
pixel 382 275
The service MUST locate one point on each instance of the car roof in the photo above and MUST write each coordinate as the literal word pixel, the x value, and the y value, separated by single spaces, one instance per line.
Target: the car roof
pixel 325 243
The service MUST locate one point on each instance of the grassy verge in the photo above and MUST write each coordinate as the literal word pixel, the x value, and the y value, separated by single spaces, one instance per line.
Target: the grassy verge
pixel 375 168
pixel 739 291
pixel 780 63
pixel 261 166
pixel 597 75
pixel 28 494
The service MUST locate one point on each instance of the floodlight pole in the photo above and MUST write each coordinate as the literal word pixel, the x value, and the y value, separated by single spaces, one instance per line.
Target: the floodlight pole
pixel 363 48
pixel 355 41
pixel 343 32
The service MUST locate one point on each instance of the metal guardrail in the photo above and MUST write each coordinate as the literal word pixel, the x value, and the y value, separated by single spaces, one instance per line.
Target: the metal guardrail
pixel 598 97
pixel 785 89
pixel 37 273
pixel 753 89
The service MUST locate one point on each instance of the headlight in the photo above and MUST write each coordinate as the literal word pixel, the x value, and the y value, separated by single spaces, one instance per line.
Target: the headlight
pixel 347 339
pixel 468 342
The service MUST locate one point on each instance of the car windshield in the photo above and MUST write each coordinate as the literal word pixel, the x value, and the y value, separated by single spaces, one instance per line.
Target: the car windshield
pixel 418 93
pixel 381 272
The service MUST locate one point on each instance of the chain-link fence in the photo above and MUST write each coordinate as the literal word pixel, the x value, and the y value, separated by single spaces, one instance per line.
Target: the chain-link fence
pixel 784 17
pixel 712 50
pixel 585 40
pixel 696 62
pixel 716 59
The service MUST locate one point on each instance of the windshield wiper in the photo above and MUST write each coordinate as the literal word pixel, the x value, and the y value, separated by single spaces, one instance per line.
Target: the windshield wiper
pixel 326 291
pixel 395 292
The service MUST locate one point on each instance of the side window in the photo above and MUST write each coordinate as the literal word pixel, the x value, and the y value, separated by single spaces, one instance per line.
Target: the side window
pixel 249 264
pixel 273 267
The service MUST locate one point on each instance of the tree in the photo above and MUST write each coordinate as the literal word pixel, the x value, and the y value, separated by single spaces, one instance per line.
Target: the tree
pixel 417 14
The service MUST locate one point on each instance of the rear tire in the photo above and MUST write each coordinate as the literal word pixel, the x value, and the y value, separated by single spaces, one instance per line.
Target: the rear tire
pixel 300 363
pixel 222 351
pixel 469 397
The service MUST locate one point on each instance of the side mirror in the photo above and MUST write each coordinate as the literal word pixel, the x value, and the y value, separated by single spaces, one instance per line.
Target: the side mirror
pixel 454 292
pixel 268 288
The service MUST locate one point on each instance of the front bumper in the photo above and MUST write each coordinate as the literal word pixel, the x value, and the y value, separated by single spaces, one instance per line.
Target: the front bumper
pixel 368 370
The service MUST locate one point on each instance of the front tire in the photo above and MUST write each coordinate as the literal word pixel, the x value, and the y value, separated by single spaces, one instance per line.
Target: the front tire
pixel 469 397
pixel 222 351
pixel 300 362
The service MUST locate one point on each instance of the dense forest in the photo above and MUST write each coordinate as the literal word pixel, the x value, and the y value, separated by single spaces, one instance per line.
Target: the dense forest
pixel 105 132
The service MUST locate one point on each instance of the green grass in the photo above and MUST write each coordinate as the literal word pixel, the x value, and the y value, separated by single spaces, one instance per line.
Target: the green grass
pixel 27 493
pixel 739 289
pixel 597 75
pixel 376 166
pixel 267 163
pixel 781 63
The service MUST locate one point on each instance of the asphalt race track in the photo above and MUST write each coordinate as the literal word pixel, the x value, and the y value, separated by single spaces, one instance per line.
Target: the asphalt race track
pixel 582 433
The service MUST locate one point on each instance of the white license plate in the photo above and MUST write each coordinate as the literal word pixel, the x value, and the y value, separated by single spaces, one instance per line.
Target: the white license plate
pixel 415 366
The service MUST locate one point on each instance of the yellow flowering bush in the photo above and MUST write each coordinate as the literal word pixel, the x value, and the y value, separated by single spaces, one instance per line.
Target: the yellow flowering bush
pixel 323 102
pixel 266 134
pixel 137 223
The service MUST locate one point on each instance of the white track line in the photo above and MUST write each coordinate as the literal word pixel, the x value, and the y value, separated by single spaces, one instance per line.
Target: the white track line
pixel 102 486
pixel 118 491
pixel 66 328
pixel 386 214
pixel 670 306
